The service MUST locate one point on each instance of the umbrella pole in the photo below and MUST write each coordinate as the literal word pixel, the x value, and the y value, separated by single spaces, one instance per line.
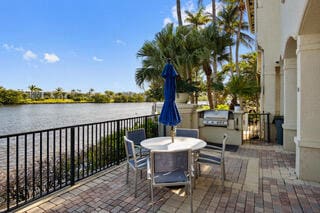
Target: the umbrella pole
pixel 172 134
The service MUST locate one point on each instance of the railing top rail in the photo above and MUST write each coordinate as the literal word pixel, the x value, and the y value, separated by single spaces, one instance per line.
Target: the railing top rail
pixel 68 127
pixel 263 113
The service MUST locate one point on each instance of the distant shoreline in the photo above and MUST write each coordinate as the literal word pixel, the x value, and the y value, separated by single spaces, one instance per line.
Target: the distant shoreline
pixel 61 101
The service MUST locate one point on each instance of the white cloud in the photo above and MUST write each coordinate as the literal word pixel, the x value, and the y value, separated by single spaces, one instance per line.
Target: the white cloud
pixel 120 42
pixel 166 21
pixel 6 46
pixel 29 55
pixel 51 58
pixel 19 49
pixel 189 6
pixel 95 58
pixel 12 47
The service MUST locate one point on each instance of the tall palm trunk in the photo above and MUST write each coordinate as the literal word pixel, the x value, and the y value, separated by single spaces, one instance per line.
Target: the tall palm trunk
pixel 214 64
pixel 214 76
pixel 230 59
pixel 214 11
pixel 207 69
pixel 241 9
pixel 179 12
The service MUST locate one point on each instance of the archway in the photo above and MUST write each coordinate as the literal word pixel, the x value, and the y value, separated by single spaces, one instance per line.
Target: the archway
pixel 308 94
pixel 290 95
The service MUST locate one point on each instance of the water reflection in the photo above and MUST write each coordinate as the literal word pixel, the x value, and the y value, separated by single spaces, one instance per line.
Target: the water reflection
pixel 23 118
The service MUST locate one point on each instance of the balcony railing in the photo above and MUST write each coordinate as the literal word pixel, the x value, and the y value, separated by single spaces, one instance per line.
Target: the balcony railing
pixel 35 164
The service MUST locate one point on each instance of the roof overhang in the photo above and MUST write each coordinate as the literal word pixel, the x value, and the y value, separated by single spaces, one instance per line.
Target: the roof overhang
pixel 250 12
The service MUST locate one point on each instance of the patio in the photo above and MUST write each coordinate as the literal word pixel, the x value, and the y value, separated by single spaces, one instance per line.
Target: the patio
pixel 260 178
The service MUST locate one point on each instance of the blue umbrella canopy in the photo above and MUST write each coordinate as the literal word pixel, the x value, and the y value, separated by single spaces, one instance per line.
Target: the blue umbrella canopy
pixel 169 113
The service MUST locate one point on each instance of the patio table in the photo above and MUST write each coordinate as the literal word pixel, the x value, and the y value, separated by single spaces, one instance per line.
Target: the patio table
pixel 165 143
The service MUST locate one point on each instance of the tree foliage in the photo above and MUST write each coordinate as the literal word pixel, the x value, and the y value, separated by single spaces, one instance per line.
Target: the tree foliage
pixel 196 51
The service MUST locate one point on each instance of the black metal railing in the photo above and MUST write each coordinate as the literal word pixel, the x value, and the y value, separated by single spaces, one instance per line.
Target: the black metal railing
pixel 35 164
pixel 256 127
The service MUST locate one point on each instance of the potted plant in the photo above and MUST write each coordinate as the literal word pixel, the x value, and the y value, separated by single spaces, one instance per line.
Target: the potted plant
pixel 184 89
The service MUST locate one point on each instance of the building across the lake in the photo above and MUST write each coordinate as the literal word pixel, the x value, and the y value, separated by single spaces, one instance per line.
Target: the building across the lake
pixel 288 45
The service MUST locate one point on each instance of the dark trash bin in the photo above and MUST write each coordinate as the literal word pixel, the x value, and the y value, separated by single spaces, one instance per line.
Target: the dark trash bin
pixel 278 121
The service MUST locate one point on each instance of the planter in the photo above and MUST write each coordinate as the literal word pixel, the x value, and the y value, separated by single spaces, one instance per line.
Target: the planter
pixel 182 97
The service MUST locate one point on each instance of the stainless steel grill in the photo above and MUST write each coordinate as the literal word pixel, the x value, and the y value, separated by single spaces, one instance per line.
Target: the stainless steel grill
pixel 216 118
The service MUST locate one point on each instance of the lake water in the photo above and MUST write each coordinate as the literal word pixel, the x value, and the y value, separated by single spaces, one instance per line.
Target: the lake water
pixel 23 118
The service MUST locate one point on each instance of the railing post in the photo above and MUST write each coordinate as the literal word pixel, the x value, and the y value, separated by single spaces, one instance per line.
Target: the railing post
pixel 72 157
pixel 118 142
pixel 268 126
pixel 8 173
pixel 146 125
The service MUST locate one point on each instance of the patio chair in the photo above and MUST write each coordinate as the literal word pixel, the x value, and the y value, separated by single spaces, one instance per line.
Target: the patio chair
pixel 183 132
pixel 138 135
pixel 192 133
pixel 214 155
pixel 133 162
pixel 170 168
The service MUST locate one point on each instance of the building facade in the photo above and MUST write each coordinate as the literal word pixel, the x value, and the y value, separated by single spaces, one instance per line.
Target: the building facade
pixel 288 44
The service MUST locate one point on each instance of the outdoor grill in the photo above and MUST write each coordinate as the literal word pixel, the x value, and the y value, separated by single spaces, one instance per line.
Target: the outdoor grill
pixel 216 118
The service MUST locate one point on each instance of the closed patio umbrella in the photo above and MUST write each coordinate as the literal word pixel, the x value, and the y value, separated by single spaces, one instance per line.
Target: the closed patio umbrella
pixel 169 113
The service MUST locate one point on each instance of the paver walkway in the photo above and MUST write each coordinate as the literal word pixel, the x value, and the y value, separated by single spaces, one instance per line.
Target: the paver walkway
pixel 260 178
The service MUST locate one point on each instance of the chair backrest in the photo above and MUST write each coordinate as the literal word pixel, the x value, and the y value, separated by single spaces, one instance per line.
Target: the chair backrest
pixel 130 151
pixel 224 143
pixel 169 161
pixel 183 132
pixel 136 135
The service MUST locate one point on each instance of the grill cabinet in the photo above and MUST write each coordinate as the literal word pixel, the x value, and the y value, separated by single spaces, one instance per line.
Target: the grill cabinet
pixel 216 118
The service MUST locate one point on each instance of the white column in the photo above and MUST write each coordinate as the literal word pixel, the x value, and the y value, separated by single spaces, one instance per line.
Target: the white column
pixel 308 108
pixel 290 103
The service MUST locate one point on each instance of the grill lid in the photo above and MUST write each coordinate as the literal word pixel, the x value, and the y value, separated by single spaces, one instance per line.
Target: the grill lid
pixel 217 114
pixel 216 117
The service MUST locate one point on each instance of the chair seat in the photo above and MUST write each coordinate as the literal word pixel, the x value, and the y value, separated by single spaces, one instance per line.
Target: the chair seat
pixel 145 151
pixel 170 177
pixel 209 159
pixel 141 163
pixel 141 151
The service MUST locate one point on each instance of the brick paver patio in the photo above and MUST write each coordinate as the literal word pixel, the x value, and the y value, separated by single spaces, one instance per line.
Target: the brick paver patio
pixel 260 178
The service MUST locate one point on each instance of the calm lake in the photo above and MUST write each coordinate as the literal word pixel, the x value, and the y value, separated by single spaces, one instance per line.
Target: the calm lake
pixel 23 118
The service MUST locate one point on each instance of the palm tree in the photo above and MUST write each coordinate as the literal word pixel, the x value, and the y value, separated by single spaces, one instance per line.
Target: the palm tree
pixel 152 63
pixel 178 5
pixel 37 90
pixel 155 53
pixel 177 44
pixel 32 89
pixel 227 20
pixel 214 44
pixel 197 19
pixel 91 90
pixel 213 6
pixel 241 7
pixel 214 62
pixel 59 92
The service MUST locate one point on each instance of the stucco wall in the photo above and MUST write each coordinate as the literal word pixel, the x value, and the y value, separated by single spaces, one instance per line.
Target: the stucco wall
pixel 268 39
pixel 291 12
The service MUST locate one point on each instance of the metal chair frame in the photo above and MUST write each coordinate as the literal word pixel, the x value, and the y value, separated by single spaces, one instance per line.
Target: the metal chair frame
pixel 138 135
pixel 154 175
pixel 216 157
pixel 137 164
pixel 193 133
pixel 184 132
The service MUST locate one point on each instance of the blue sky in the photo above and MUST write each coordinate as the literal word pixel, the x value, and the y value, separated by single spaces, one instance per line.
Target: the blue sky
pixel 78 44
